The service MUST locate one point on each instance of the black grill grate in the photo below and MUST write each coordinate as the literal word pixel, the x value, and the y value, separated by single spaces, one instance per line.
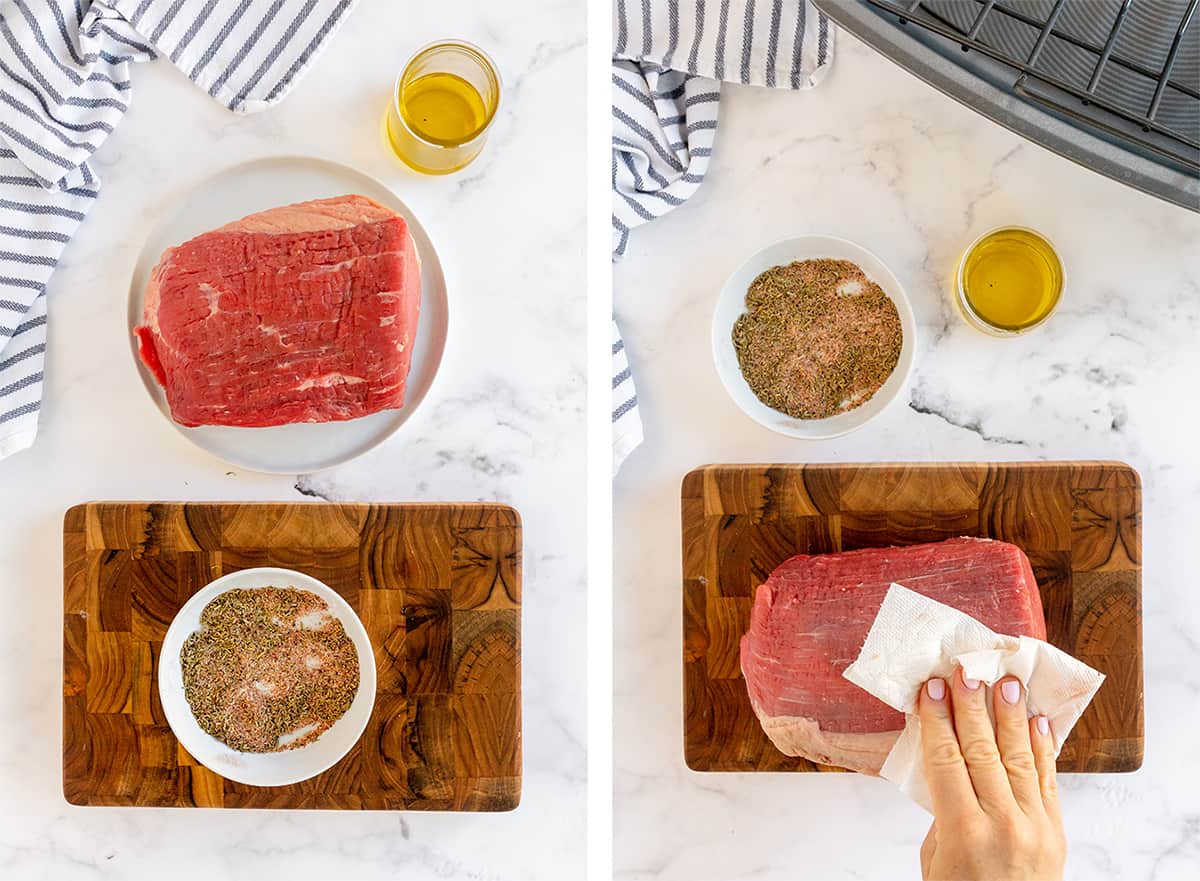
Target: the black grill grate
pixel 1129 69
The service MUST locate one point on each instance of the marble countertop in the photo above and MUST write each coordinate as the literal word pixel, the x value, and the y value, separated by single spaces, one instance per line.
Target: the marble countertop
pixel 877 156
pixel 504 422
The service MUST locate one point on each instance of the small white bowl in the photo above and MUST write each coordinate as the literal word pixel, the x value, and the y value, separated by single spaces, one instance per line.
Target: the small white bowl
pixel 264 769
pixel 731 304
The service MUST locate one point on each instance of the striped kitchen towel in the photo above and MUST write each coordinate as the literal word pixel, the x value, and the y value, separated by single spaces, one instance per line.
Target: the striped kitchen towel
pixel 669 60
pixel 664 123
pixel 777 43
pixel 627 433
pixel 65 86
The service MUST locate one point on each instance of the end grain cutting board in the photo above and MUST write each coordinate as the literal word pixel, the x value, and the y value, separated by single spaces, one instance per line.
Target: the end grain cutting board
pixel 1079 523
pixel 438 588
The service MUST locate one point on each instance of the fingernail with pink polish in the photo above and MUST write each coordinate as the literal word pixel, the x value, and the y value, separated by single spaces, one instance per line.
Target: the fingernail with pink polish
pixel 1043 725
pixel 936 689
pixel 1010 690
pixel 972 684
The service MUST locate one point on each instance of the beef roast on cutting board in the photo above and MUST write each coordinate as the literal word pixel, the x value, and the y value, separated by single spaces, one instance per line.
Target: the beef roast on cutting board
pixel 811 617
pixel 305 313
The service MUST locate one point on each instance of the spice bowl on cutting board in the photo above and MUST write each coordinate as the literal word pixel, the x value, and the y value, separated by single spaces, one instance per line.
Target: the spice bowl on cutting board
pixel 437 588
pixel 267 676
pixel 813 337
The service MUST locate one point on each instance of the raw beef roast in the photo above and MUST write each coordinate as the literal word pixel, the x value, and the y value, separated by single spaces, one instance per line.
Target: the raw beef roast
pixel 811 617
pixel 305 313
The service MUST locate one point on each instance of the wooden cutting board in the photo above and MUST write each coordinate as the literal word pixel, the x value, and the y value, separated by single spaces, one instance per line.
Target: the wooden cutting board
pixel 438 588
pixel 1079 523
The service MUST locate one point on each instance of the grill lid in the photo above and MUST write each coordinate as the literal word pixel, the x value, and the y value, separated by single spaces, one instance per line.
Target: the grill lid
pixel 1111 84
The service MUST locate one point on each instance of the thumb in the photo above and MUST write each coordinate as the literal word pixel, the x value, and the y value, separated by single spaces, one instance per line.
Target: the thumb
pixel 928 846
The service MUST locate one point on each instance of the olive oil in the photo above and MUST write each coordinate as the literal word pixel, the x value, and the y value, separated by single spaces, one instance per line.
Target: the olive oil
pixel 443 108
pixel 1009 281
pixel 445 100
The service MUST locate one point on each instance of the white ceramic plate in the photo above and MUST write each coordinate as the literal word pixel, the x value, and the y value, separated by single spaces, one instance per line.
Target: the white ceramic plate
pixel 257 186
pixel 731 304
pixel 264 769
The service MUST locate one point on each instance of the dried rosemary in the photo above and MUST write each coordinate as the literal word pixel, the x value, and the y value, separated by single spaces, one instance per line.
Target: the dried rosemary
pixel 818 338
pixel 270 669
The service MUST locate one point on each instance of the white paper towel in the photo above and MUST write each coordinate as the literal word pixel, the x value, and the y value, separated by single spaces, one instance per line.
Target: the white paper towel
pixel 915 638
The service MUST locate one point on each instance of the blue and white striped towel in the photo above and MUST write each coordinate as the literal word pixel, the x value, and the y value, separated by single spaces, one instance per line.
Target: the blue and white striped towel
pixel 669 59
pixel 775 43
pixel 664 123
pixel 624 401
pixel 64 87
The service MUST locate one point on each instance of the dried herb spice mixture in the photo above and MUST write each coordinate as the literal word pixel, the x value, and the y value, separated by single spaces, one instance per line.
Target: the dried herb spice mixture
pixel 818 338
pixel 270 669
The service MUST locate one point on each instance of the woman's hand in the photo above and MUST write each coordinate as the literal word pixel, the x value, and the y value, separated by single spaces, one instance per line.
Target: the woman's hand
pixel 995 798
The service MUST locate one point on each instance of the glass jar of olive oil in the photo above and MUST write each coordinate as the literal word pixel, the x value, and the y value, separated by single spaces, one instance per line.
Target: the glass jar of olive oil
pixel 1009 281
pixel 442 107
